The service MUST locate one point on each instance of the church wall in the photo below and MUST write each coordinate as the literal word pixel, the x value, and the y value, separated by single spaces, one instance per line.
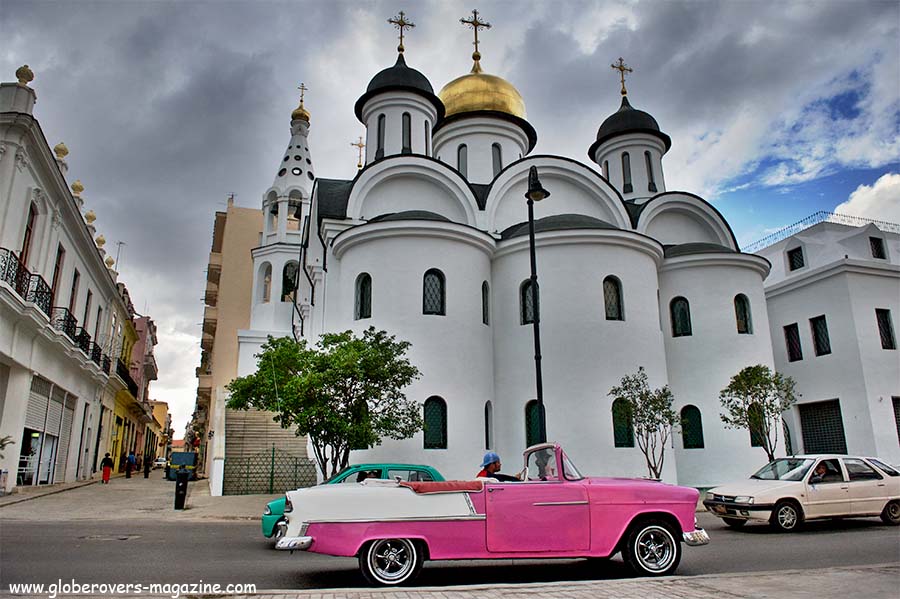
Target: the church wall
pixel 635 144
pixel 479 135
pixel 453 352
pixel 584 355
pixel 676 227
pixel 392 105
pixel 411 192
pixel 702 364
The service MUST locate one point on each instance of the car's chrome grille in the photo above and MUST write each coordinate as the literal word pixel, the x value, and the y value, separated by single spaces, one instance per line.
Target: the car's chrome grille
pixel 725 498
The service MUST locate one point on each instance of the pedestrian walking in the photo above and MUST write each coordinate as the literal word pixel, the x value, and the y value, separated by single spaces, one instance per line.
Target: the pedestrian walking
pixel 130 464
pixel 148 463
pixel 106 464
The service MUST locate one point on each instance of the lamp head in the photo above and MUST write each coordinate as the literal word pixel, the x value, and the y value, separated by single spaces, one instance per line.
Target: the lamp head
pixel 535 192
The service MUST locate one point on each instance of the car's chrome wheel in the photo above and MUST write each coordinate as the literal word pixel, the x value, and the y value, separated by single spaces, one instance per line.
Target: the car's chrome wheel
pixel 390 561
pixel 652 549
pixel 787 516
pixel 891 513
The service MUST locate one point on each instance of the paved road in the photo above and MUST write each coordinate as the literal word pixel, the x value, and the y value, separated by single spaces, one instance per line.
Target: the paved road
pixel 148 551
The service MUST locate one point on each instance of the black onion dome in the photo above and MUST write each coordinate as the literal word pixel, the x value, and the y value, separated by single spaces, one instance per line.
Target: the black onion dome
pixel 399 78
pixel 557 222
pixel 628 120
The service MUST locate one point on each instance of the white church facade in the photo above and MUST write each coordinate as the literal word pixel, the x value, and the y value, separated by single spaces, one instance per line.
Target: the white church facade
pixel 430 242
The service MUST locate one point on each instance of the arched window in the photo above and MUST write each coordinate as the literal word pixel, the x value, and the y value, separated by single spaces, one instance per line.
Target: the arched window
pixel 488 425
pixel 289 281
pixel 29 234
pixel 626 173
pixel 265 283
pixel 433 293
pixel 757 421
pixel 742 314
pixel 526 302
pixel 680 313
pixel 651 181
pixel 691 428
pixel 485 303
pixel 363 304
pixel 435 423
pixel 427 139
pixel 407 134
pixel 462 160
pixel 532 423
pixel 606 169
pixel 612 298
pixel 623 424
pixel 497 154
pixel 379 152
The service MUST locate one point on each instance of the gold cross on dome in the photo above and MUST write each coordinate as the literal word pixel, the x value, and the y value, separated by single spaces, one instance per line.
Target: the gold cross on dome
pixel 400 22
pixel 622 68
pixel 475 24
pixel 303 89
pixel 360 145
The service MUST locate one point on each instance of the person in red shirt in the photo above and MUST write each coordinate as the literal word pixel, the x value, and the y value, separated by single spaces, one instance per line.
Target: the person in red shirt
pixel 490 468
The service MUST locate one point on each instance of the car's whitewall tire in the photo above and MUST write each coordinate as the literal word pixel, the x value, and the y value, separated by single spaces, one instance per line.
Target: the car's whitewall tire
pixel 390 562
pixel 652 549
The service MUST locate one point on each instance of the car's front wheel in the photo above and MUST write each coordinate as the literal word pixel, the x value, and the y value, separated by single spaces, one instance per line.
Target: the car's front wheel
pixel 734 522
pixel 891 513
pixel 652 549
pixel 390 561
pixel 786 517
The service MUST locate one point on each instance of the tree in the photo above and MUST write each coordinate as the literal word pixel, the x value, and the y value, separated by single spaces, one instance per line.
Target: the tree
pixel 344 393
pixel 652 416
pixel 755 399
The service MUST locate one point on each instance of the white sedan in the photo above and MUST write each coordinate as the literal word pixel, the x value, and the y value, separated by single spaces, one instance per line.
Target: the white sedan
pixel 788 491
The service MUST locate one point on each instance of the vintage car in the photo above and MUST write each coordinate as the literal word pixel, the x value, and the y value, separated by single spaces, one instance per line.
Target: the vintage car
pixel 554 512
pixel 274 523
pixel 788 491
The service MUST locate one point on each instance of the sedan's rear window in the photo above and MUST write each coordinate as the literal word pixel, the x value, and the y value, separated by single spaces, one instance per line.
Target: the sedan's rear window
pixel 884 467
pixel 784 469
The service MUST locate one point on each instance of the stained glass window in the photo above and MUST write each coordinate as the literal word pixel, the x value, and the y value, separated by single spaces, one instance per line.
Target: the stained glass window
pixel 433 293
pixel 612 298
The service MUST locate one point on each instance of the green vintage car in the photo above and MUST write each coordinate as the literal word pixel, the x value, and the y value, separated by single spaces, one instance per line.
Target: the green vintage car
pixel 273 522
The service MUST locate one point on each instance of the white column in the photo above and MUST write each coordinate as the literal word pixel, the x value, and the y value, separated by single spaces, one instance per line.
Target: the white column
pixel 12 420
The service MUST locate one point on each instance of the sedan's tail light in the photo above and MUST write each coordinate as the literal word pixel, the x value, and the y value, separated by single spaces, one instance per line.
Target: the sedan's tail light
pixel 288 506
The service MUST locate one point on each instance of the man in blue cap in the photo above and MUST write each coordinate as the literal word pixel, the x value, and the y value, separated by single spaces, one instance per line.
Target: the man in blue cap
pixel 490 468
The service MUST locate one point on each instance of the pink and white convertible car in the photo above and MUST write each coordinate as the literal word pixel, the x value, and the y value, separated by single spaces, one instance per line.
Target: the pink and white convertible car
pixel 555 512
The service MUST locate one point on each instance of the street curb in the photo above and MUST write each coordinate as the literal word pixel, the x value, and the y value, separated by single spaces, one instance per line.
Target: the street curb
pixel 29 496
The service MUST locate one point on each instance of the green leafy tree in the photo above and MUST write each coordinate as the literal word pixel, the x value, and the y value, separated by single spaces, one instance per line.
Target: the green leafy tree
pixel 344 393
pixel 652 416
pixel 755 400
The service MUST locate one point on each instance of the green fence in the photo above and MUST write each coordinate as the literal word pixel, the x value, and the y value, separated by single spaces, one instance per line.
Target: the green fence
pixel 267 472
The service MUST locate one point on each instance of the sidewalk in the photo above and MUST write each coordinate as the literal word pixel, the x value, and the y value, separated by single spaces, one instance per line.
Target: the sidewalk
pixel 871 582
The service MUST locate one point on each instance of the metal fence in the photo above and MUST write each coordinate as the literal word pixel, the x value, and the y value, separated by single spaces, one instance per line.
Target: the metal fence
pixel 269 471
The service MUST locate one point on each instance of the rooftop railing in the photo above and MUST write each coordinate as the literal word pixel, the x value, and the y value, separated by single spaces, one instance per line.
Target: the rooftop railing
pixel 815 219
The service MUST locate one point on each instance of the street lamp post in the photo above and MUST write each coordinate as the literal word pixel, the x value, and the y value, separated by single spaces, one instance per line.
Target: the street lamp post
pixel 536 193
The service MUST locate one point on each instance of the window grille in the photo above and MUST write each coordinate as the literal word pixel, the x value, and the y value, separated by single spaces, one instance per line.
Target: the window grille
pixel 435 423
pixel 822 427
pixel 691 428
pixel 885 328
pixel 526 302
pixel 680 313
pixel 792 342
pixel 612 298
pixel 433 293
pixel 821 343
pixel 742 315
pixel 877 245
pixel 363 307
pixel 795 258
pixel 623 425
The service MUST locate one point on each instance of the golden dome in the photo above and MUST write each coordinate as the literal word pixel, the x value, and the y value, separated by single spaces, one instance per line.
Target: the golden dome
pixel 300 113
pixel 24 75
pixel 478 91
pixel 90 217
pixel 77 187
pixel 60 150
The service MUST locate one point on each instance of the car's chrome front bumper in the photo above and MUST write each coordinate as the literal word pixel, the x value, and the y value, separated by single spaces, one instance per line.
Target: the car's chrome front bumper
pixel 696 537
pixel 294 543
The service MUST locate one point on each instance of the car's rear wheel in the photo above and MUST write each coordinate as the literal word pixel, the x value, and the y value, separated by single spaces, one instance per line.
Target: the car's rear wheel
pixel 390 562
pixel 734 522
pixel 786 517
pixel 652 549
pixel 891 513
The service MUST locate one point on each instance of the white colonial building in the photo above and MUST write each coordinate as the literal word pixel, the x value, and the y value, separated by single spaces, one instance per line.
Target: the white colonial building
pixel 430 242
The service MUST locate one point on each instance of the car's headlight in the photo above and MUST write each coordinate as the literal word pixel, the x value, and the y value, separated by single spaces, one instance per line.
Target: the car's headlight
pixel 710 496
pixel 743 499
pixel 267 511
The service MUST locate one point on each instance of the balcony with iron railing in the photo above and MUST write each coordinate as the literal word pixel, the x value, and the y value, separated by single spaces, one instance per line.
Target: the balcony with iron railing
pixel 83 340
pixel 125 375
pixel 96 354
pixel 106 364
pixel 39 293
pixel 63 321
pixel 29 286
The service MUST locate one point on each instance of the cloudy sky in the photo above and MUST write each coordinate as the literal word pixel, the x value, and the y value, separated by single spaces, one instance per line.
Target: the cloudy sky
pixel 776 109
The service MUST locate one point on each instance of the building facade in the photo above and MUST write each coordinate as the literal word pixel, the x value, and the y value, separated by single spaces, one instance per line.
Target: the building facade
pixel 64 329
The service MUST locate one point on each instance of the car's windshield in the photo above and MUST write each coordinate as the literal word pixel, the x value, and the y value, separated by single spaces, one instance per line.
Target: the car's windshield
pixel 569 469
pixel 338 475
pixel 784 469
